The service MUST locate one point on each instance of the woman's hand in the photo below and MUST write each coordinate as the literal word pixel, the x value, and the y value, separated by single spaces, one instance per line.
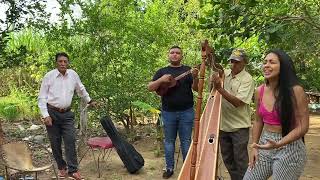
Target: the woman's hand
pixel 271 144
pixel 253 158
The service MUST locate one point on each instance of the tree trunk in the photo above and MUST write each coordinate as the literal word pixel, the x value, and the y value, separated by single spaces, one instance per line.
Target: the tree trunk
pixel 131 117
pixel 1 134
pixel 124 121
pixel 159 131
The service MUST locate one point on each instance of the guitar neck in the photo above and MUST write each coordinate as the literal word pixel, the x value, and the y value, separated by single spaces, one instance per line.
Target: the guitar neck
pixel 182 75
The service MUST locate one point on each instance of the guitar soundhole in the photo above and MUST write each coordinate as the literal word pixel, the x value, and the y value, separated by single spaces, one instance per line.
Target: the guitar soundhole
pixel 211 139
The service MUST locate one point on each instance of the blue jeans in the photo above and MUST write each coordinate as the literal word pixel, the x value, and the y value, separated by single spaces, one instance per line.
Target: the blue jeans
pixel 181 122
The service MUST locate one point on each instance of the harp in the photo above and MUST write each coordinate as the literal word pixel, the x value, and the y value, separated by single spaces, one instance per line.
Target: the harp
pixel 202 158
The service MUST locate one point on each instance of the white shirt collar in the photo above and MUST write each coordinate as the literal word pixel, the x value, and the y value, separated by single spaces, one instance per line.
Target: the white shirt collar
pixel 57 73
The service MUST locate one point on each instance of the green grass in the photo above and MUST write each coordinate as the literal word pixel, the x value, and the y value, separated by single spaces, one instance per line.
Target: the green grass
pixel 18 105
pixel 9 111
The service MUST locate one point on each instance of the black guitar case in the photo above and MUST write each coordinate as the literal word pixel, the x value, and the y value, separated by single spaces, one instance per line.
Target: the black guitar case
pixel 130 157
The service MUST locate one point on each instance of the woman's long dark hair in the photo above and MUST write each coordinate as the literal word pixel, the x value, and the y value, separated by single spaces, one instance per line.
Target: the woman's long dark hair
pixel 285 96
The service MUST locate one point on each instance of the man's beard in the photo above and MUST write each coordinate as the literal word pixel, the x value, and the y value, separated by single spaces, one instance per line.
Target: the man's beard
pixel 175 63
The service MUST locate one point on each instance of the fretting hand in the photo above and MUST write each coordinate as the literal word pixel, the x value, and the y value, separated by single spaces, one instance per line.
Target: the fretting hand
pixel 195 72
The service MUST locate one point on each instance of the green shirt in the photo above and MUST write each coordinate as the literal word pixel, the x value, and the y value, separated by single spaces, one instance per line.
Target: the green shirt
pixel 241 86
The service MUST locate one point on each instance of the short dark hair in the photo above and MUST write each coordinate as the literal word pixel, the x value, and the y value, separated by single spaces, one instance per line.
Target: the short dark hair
pixel 59 54
pixel 174 47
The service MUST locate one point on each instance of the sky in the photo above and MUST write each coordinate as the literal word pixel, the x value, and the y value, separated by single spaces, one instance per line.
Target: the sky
pixel 52 7
pixel 2 10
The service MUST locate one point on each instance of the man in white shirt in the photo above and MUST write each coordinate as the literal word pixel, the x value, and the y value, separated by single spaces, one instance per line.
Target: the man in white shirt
pixel 54 101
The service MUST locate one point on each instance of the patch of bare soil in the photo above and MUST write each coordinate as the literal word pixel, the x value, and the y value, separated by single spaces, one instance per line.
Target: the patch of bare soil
pixel 113 168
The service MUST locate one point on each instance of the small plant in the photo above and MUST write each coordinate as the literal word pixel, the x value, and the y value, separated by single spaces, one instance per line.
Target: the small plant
pixel 9 111
pixel 158 152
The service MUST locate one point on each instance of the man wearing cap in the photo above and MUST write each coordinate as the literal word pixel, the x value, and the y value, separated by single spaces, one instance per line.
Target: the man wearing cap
pixel 54 101
pixel 237 92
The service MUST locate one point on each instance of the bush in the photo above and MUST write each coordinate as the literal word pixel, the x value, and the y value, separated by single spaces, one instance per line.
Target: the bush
pixel 18 105
pixel 314 108
pixel 9 111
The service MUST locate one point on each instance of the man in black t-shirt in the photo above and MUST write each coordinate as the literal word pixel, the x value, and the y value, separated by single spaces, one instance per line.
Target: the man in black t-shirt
pixel 177 106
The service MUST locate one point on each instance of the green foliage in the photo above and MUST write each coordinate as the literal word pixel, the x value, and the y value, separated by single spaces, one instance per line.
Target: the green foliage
pixel 145 107
pixel 116 46
pixel 25 63
pixel 9 111
pixel 18 105
pixel 18 15
pixel 130 41
pixel 290 25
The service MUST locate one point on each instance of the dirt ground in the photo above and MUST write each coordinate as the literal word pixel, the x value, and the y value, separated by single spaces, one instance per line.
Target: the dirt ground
pixel 113 168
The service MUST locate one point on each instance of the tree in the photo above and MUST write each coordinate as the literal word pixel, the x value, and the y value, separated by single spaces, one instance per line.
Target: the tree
pixel 290 25
pixel 117 44
pixel 1 134
pixel 18 15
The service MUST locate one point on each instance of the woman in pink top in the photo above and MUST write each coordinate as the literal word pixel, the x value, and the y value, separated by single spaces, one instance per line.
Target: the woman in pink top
pixel 282 119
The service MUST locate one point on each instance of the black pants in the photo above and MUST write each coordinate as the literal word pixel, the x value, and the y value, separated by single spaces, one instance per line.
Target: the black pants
pixel 63 129
pixel 234 152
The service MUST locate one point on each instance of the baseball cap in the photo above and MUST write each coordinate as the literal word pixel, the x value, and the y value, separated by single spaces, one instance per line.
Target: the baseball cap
pixel 238 55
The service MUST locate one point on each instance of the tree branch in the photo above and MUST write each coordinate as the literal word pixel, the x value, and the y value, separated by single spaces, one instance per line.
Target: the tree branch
pixel 299 18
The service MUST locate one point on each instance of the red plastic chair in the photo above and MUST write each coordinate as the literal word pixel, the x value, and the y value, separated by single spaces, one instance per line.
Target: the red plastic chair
pixel 103 145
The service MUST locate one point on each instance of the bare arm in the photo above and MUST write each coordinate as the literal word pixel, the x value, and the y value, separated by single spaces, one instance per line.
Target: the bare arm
pixel 256 131
pixel 301 117
pixel 231 98
pixel 258 123
pixel 154 85
pixel 217 81
pixel 195 84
